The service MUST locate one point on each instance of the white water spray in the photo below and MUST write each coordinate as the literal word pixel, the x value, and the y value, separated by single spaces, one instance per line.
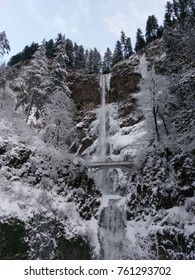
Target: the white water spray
pixel 112 225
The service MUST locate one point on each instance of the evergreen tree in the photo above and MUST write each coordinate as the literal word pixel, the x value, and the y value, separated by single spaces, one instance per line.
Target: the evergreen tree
pixel 29 51
pixel 75 48
pixel 151 29
pixel 15 59
pixel 90 62
pixel 140 42
pixel 183 9
pixel 69 51
pixel 96 61
pixel 57 113
pixel 175 8
pixel 168 19
pixel 118 53
pixel 107 62
pixel 3 78
pixel 160 31
pixel 128 51
pixel 26 54
pixel 86 58
pixel 178 11
pixel 4 44
pixel 34 78
pixel 123 42
pixel 50 48
pixel 59 39
pixel 126 45
pixel 79 62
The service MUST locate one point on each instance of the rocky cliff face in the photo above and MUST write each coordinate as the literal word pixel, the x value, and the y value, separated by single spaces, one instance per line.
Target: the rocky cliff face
pixel 84 89
pixel 124 84
pixel 125 79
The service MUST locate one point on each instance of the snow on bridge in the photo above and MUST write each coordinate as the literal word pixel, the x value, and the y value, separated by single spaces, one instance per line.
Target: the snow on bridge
pixel 110 164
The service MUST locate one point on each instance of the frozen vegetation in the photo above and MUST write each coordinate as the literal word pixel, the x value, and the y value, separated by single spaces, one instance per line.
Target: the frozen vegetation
pixel 39 193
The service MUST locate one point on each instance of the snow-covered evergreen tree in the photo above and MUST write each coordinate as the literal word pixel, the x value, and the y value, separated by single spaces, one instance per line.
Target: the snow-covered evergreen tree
pixel 4 44
pixel 90 62
pixel 58 112
pixel 79 61
pixel 140 42
pixel 35 77
pixel 93 62
pixel 123 41
pixel 69 51
pixel 151 29
pixel 126 45
pixel 50 48
pixel 96 61
pixel 118 53
pixel 128 51
pixel 2 78
pixel 86 58
pixel 107 61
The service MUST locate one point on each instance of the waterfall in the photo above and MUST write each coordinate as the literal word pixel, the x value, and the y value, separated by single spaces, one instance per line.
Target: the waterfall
pixel 112 225
pixel 143 66
pixel 105 87
pixel 112 219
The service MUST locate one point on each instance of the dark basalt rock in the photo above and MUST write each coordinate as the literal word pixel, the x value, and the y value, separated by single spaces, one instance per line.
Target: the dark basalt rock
pixel 19 158
pixel 73 249
pixel 3 148
pixel 84 89
pixel 123 82
pixel 12 240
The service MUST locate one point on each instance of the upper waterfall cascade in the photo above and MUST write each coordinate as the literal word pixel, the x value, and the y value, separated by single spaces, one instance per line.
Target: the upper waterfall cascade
pixel 105 87
pixel 143 66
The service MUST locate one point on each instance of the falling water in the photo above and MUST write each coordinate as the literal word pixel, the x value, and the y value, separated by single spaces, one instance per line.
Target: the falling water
pixel 112 225
pixel 105 87
pixel 112 219
pixel 143 66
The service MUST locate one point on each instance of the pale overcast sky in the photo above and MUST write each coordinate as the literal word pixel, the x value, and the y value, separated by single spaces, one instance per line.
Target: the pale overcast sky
pixel 92 23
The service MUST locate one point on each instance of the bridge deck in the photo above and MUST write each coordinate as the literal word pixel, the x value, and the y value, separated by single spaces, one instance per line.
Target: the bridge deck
pixel 110 164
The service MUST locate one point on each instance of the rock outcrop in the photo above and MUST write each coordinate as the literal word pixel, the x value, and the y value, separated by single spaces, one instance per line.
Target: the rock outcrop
pixel 125 79
pixel 85 89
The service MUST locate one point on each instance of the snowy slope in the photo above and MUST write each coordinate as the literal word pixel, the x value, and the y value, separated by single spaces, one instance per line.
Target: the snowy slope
pixel 29 187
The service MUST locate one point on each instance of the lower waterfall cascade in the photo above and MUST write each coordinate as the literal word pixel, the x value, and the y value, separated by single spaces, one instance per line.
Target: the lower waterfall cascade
pixel 112 225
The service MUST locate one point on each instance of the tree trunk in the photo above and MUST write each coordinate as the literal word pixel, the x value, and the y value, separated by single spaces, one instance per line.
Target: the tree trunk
pixel 155 121
pixel 29 107
pixel 164 123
